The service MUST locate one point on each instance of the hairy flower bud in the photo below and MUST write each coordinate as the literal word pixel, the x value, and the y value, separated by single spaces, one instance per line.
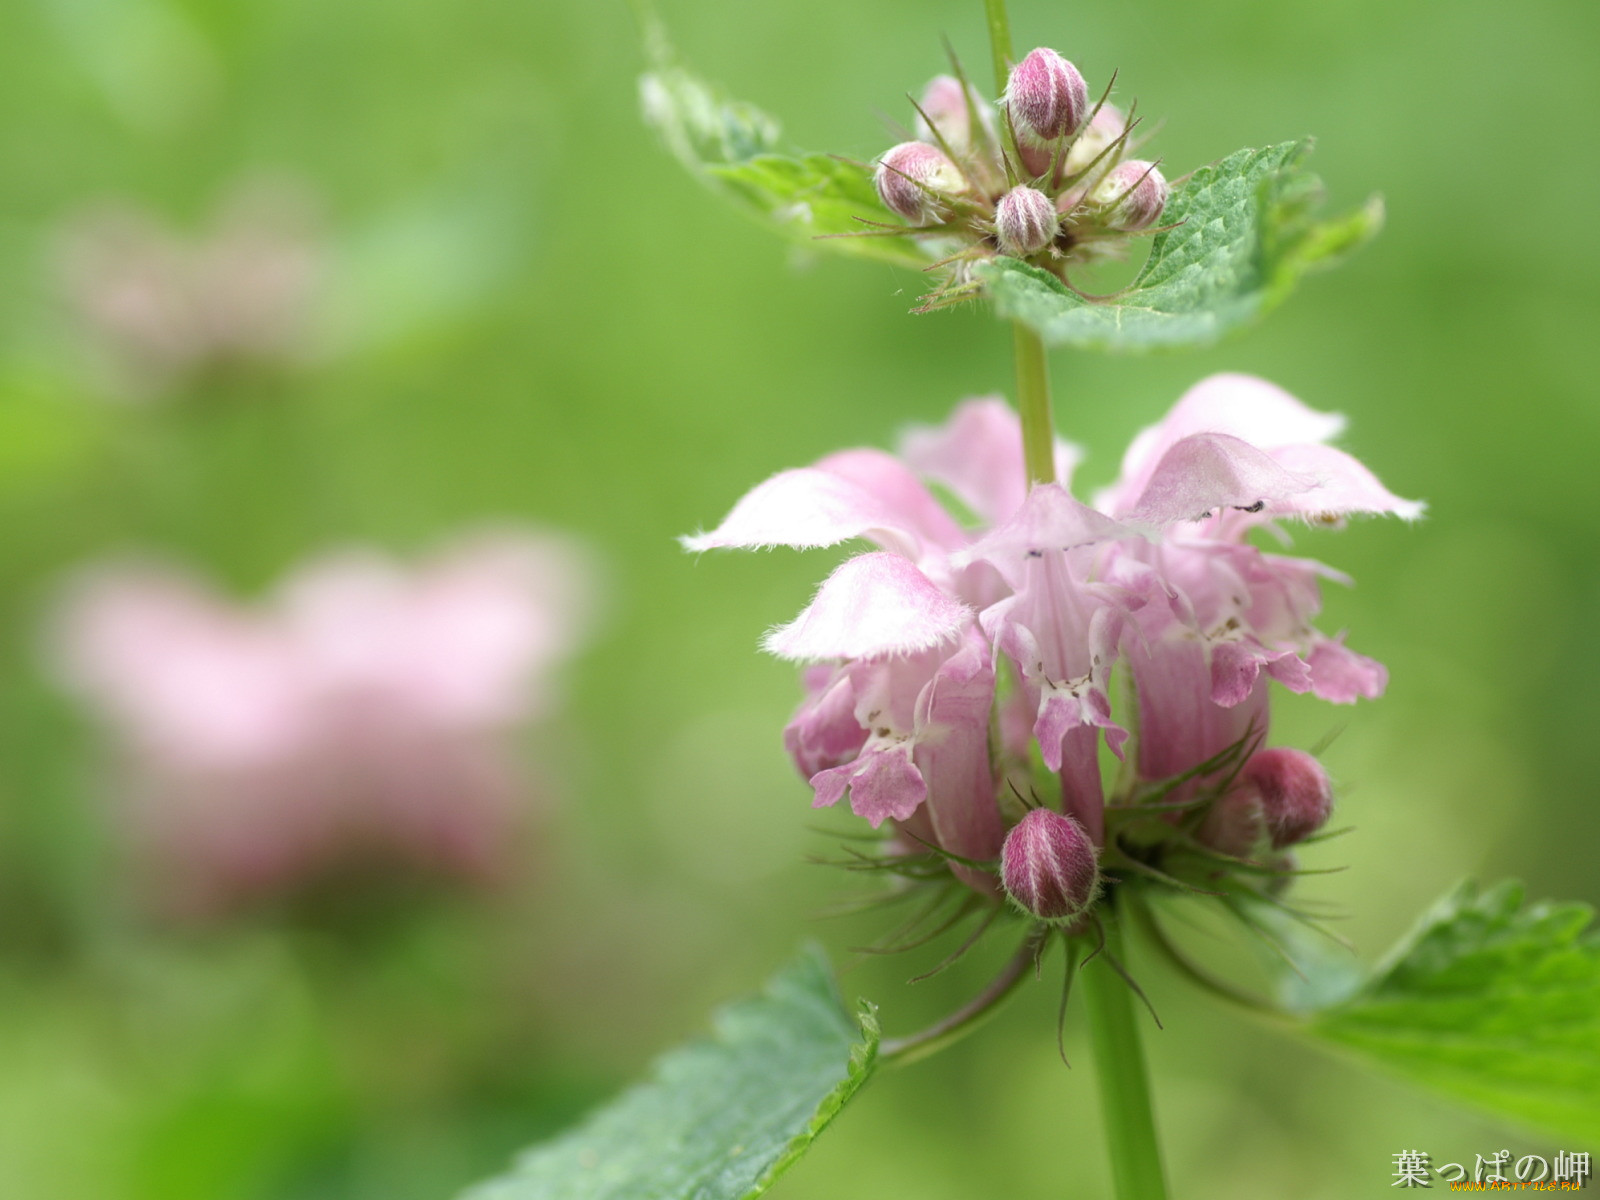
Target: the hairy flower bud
pixel 1235 824
pixel 946 105
pixel 1105 126
pixel 1295 795
pixel 1046 96
pixel 1049 866
pixel 1134 193
pixel 1024 220
pixel 910 178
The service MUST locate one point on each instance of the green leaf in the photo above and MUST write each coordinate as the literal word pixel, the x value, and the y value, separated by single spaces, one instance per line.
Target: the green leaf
pixel 722 1118
pixel 1244 235
pixel 1492 1003
pixel 732 146
pixel 814 199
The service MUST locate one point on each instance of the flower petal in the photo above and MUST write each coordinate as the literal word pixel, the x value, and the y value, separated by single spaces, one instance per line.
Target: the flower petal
pixel 1343 485
pixel 1209 471
pixel 977 454
pixel 953 754
pixel 872 605
pixel 1050 519
pixel 855 493
pixel 1342 676
pixel 1235 667
pixel 1242 406
pixel 1180 724
pixel 883 782
pixel 824 732
pixel 897 489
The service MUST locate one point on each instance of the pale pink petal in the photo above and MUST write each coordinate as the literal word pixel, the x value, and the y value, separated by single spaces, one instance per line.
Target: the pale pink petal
pixel 1049 520
pixel 1242 406
pixel 1343 485
pixel 952 753
pixel 1180 725
pixel 1210 471
pixel 1341 675
pixel 178 674
pixel 489 621
pixel 1062 710
pixel 896 487
pixel 824 731
pixel 856 493
pixel 873 604
pixel 977 454
pixel 1235 667
pixel 1082 790
pixel 883 782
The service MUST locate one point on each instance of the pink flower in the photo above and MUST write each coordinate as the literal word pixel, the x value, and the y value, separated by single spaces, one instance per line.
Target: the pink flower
pixel 361 713
pixel 1234 453
pixel 163 307
pixel 1053 593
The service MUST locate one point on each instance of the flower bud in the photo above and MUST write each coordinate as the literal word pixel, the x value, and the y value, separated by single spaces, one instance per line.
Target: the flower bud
pixel 1296 797
pixel 1049 866
pixel 1024 220
pixel 1284 867
pixel 1047 97
pixel 909 175
pixel 1134 193
pixel 945 104
pixel 1235 824
pixel 1105 127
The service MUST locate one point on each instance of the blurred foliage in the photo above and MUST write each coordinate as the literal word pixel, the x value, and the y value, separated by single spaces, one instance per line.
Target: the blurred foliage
pixel 531 313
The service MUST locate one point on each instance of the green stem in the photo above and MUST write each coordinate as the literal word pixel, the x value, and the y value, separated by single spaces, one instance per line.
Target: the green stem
pixel 1136 1169
pixel 999 42
pixel 1033 402
pixel 966 1018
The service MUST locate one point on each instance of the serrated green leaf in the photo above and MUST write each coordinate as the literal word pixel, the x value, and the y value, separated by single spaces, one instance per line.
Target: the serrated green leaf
pixel 816 197
pixel 1244 235
pixel 722 1118
pixel 1492 1003
pixel 733 146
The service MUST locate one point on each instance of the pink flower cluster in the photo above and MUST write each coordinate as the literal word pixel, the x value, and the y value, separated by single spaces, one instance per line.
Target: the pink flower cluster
pixel 940 656
pixel 359 716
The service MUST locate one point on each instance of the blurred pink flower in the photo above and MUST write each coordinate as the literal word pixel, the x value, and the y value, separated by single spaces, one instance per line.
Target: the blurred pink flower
pixel 163 307
pixel 362 714
pixel 1052 592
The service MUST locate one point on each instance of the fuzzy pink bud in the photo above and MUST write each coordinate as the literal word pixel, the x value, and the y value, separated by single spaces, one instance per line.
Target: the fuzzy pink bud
pixel 945 104
pixel 1296 797
pixel 1049 866
pixel 1024 220
pixel 1235 824
pixel 1105 126
pixel 1134 193
pixel 910 179
pixel 1047 97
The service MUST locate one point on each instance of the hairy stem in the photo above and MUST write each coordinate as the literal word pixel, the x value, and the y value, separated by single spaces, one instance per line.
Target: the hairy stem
pixel 999 41
pixel 1136 1169
pixel 1033 402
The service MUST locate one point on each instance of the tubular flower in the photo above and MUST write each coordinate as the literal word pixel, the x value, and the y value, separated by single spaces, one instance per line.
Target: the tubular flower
pixel 951 656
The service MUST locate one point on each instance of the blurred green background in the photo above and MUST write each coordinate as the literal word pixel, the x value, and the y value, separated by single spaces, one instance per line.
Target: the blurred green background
pixel 532 314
